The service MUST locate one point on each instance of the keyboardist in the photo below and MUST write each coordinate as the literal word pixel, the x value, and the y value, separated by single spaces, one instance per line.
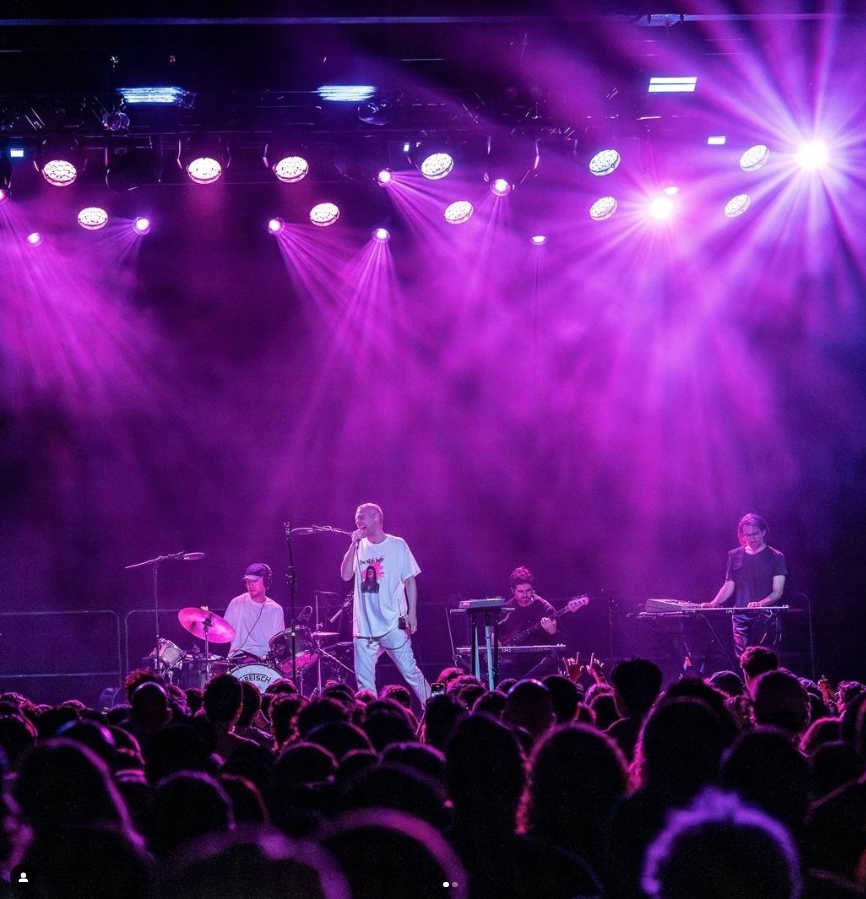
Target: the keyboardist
pixel 755 577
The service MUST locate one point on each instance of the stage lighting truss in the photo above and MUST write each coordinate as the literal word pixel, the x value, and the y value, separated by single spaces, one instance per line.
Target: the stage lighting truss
pixel 459 212
pixel 92 218
pixel 204 157
pixel 129 166
pixel 605 162
pixel 737 205
pixel 755 158
pixel 60 161
pixel 288 161
pixel 603 208
pixel 324 214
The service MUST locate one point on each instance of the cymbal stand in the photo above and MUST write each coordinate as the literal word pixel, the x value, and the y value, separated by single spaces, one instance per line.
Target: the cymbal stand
pixel 323 653
pixel 293 583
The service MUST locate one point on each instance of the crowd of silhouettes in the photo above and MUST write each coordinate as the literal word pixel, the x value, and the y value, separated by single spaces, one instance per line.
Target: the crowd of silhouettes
pixel 747 784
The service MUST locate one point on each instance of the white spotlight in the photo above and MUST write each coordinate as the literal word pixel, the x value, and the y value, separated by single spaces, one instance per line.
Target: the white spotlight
pixel 385 177
pixel 538 240
pixel 383 235
pixel 813 155
pixel 4 196
pixel 59 172
pixel 34 239
pixel 501 187
pixel 275 225
pixel 291 169
pixel 141 225
pixel 204 170
pixel 605 162
pixel 437 165
pixel 92 218
pixel 459 212
pixel 603 208
pixel 324 214
pixel 755 158
pixel 737 205
pixel 661 208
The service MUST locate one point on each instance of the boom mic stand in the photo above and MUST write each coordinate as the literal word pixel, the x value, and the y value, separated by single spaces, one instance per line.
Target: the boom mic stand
pixel 293 584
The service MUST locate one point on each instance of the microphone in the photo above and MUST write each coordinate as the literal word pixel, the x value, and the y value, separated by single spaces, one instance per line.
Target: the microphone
pixel 334 618
pixel 192 557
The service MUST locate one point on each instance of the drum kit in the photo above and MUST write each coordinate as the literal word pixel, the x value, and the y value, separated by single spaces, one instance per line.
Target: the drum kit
pixel 195 669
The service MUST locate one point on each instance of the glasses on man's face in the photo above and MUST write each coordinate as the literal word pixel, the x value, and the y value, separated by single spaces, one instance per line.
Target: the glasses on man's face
pixel 752 535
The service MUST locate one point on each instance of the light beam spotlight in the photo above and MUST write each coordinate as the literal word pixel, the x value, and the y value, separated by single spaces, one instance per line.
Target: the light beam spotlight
pixel 92 218
pixel 603 208
pixel 4 196
pixel 437 165
pixel 204 170
pixel 324 214
pixel 813 155
pixel 459 212
pixel 501 187
pixel 34 239
pixel 604 162
pixel 383 235
pixel 141 225
pixel 204 157
pixel 291 169
pixel 716 140
pixel 660 208
pixel 671 190
pixel 59 160
pixel 538 240
pixel 737 205
pixel 275 225
pixel 59 172
pixel 385 178
pixel 755 158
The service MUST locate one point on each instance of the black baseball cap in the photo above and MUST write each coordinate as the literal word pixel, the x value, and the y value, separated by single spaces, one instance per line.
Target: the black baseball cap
pixel 257 570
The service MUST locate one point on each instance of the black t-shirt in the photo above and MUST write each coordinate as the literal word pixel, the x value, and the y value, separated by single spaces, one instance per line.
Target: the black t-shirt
pixel 753 573
pixel 521 617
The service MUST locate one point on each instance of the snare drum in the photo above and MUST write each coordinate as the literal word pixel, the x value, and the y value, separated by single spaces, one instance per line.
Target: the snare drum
pixel 306 653
pixel 167 654
pixel 261 676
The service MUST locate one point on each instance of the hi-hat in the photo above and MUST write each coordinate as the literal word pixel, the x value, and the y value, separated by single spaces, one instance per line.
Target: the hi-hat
pixel 324 633
pixel 201 621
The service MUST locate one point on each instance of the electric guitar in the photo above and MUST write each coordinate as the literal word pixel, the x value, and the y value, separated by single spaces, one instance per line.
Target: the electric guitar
pixel 575 603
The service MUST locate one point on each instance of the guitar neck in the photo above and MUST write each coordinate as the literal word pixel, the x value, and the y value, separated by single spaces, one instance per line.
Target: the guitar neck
pixel 522 635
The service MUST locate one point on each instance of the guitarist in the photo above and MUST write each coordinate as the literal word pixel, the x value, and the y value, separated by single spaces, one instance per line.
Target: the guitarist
pixel 525 609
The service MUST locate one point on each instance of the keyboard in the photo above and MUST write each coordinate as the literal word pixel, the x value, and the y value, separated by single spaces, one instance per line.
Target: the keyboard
pixel 480 605
pixel 515 650
pixel 666 608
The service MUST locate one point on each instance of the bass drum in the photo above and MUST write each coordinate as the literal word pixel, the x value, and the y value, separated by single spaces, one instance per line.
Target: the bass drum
pixel 261 676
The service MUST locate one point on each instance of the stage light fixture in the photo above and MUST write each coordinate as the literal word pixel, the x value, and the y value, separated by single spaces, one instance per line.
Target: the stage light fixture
pixel 157 96
pixel 378 110
pixel 660 208
pixel 60 161
pixel 459 212
pixel 92 218
pixel 385 178
pixel 4 196
pixel 501 187
pixel 34 239
pixel 509 161
pixel 603 208
pixel 716 140
pixel 432 157
pixel 275 225
pixel 288 160
pixel 755 158
pixel 605 162
pixel 346 93
pixel 16 152
pixel 813 155
pixel 676 85
pixel 141 225
pixel 538 240
pixel 5 176
pixel 383 235
pixel 130 167
pixel 324 214
pixel 204 157
pixel 737 205
pixel 437 165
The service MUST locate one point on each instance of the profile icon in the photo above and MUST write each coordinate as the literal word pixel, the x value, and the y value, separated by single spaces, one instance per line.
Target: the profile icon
pixel 21 877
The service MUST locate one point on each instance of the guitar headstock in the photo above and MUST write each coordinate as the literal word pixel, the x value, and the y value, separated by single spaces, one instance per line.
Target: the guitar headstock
pixel 577 602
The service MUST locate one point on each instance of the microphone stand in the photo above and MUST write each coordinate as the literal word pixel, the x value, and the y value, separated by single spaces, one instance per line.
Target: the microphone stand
pixel 154 564
pixel 293 582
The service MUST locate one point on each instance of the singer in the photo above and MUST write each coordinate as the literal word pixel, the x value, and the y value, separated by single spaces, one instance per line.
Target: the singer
pixel 254 617
pixel 385 598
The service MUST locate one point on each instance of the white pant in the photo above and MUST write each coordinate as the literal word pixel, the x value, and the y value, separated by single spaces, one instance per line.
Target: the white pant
pixel 398 645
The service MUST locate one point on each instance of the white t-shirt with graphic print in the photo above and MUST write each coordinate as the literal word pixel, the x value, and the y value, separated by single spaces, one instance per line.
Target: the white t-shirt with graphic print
pixel 380 597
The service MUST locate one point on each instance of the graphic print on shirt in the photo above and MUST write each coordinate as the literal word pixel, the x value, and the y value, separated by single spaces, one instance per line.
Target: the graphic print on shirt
pixel 372 572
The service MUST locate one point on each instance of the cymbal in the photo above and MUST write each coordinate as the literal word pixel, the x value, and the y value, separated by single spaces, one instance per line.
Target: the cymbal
pixel 194 620
pixel 324 633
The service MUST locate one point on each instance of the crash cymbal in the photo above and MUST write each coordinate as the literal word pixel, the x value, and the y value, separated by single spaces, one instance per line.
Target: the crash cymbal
pixel 324 633
pixel 196 621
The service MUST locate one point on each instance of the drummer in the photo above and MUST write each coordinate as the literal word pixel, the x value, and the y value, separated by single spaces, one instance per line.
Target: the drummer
pixel 254 616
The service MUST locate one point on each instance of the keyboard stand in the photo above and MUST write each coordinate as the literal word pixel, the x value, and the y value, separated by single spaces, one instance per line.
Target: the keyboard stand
pixel 484 624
